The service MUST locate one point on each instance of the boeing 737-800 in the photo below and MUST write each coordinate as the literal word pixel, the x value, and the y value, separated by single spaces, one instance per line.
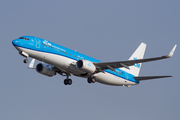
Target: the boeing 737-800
pixel 66 62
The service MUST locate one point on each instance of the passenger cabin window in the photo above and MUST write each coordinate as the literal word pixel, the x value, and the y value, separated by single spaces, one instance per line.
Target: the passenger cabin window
pixel 24 38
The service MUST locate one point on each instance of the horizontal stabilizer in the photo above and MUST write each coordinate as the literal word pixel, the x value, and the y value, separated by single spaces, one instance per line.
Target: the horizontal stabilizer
pixel 150 77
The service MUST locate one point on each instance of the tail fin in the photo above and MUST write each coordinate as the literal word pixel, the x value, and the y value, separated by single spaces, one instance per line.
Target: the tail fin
pixel 138 54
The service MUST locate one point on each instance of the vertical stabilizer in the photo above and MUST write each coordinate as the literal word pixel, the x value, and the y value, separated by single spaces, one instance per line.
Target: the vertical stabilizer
pixel 138 54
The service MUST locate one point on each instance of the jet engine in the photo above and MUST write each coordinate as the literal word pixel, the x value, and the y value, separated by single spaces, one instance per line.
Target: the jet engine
pixel 45 69
pixel 86 66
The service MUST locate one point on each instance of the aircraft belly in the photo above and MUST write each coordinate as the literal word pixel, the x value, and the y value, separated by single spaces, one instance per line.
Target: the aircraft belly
pixel 46 57
pixel 31 53
pixel 62 62
pixel 109 79
pixel 53 59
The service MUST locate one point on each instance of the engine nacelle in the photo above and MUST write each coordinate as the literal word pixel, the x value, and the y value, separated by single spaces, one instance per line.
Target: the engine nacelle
pixel 45 69
pixel 86 66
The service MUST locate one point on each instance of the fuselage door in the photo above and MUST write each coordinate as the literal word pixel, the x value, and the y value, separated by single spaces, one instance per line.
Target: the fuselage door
pixel 38 42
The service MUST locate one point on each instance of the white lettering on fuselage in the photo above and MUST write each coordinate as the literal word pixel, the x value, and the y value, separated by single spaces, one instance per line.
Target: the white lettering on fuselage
pixel 50 45
pixel 46 42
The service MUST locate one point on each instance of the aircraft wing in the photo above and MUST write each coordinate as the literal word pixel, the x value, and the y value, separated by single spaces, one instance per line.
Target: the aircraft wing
pixel 126 64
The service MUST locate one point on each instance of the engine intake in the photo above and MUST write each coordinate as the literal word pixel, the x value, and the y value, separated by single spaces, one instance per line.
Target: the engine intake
pixel 86 66
pixel 45 69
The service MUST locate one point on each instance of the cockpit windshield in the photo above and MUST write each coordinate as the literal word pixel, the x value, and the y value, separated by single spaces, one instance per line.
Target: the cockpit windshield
pixel 24 38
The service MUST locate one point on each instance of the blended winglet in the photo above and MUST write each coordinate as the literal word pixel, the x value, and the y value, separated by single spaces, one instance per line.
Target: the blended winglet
pixel 172 52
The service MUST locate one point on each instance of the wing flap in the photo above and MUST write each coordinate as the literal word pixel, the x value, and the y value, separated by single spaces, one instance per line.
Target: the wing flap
pixel 141 78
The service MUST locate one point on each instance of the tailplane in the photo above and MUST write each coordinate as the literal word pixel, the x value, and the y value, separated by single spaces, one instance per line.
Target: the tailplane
pixel 138 54
pixel 149 77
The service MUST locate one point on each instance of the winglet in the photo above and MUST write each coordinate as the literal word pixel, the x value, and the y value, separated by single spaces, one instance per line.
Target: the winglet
pixel 31 65
pixel 172 52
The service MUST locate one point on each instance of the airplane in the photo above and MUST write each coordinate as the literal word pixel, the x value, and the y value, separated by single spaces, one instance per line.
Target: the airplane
pixel 66 62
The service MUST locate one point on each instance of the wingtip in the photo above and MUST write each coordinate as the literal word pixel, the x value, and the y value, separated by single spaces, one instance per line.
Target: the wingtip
pixel 172 52
pixel 143 43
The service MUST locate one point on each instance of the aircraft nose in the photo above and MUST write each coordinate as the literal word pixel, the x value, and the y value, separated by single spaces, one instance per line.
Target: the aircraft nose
pixel 15 42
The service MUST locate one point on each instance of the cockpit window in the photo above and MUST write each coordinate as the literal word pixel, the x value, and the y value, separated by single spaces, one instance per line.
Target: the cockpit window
pixel 24 38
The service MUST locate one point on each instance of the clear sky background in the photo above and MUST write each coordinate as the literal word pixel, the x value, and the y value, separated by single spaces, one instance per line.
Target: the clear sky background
pixel 108 30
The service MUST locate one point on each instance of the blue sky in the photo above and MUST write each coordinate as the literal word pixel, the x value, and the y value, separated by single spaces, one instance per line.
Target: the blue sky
pixel 105 30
